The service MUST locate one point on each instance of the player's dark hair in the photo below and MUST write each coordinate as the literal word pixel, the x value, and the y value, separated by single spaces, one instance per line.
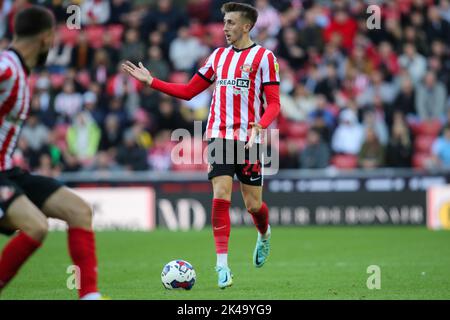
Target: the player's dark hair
pixel 33 20
pixel 249 12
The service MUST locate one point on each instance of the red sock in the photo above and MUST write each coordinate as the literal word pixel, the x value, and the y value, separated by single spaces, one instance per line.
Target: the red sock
pixel 221 224
pixel 15 253
pixel 82 251
pixel 261 218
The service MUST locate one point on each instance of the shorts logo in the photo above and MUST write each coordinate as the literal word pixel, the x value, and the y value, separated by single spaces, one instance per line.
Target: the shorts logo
pixel 210 167
pixel 6 193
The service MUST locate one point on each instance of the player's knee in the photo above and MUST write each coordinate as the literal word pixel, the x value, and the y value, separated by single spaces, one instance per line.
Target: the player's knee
pixel 36 229
pixel 222 193
pixel 80 215
pixel 253 206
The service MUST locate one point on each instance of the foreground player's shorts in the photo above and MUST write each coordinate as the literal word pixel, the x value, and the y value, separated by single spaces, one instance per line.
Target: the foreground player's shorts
pixel 16 182
pixel 228 157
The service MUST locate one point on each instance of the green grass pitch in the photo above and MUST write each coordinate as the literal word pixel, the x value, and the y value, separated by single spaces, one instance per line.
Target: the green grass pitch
pixel 305 263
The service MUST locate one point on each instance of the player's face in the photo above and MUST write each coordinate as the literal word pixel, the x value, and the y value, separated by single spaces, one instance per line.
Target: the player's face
pixel 46 39
pixel 234 27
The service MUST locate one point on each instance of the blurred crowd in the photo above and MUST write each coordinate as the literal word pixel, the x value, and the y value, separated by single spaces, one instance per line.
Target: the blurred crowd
pixel 352 96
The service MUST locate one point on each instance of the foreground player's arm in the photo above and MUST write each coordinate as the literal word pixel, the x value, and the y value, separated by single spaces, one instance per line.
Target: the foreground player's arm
pixel 182 91
pixel 272 92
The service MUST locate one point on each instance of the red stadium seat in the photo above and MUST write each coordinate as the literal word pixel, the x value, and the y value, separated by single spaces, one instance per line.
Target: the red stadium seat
pixel 116 31
pixel 297 129
pixel 57 80
pixel 68 36
pixel 430 127
pixel 344 161
pixel 419 160
pixel 95 36
pixel 423 143
pixel 216 31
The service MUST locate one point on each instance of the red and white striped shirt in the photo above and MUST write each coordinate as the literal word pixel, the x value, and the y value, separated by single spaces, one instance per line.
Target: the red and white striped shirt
pixel 14 103
pixel 238 97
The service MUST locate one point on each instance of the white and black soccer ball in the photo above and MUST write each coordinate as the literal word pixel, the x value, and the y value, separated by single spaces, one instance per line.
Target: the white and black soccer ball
pixel 178 274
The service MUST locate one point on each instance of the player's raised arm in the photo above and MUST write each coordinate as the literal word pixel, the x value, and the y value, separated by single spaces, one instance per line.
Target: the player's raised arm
pixel 187 91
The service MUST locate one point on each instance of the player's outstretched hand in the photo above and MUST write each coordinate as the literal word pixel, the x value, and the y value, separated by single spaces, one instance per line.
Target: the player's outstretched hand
pixel 256 128
pixel 140 73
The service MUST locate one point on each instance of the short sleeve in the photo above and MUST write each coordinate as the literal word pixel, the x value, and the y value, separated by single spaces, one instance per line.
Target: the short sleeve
pixel 270 69
pixel 207 70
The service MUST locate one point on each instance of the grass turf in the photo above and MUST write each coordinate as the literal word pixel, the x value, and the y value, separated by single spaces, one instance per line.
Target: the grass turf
pixel 305 263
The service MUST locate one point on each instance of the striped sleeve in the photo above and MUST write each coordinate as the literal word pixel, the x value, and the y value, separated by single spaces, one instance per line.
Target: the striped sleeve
pixel 270 69
pixel 207 70
pixel 5 71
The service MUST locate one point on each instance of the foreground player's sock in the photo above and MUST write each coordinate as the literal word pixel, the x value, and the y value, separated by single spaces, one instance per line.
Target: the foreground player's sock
pixel 15 253
pixel 221 229
pixel 261 220
pixel 82 250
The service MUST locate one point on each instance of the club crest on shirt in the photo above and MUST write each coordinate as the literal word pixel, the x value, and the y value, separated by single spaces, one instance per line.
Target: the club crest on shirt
pixel 246 68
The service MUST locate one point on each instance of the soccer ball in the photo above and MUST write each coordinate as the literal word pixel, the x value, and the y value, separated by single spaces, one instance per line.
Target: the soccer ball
pixel 178 274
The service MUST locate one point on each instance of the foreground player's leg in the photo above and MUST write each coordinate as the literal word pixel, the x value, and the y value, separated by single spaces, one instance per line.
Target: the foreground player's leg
pixel 67 206
pixel 258 209
pixel 220 217
pixel 21 215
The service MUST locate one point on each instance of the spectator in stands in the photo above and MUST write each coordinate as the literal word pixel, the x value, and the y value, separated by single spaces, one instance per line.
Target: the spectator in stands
pixel 82 53
pixel 399 150
pixel 101 67
pixel 130 155
pixel 388 60
pixel 156 63
pixel 416 37
pixel 341 29
pixel 34 132
pixel 299 106
pixel 413 62
pixel 95 12
pixel 444 10
pixel 5 7
pixel 185 50
pixel 68 103
pixel 121 84
pixel 441 149
pixel 431 98
pixel 59 56
pixel 166 18
pixel 103 164
pixel 111 135
pixel 168 117
pixel 436 27
pixel 90 104
pixel 268 19
pixel 377 87
pixel 132 48
pixel 119 10
pixel 374 120
pixel 116 107
pixel 110 47
pixel 404 101
pixel 159 157
pixel 329 83
pixel 83 137
pixel 371 155
pixel 310 35
pixel 316 154
pixel 349 134
pixel 289 48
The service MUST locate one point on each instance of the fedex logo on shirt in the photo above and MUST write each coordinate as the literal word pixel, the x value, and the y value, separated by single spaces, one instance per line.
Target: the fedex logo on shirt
pixel 239 83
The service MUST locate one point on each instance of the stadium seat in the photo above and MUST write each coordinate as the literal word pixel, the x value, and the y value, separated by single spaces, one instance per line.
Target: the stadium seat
pixel 57 80
pixel 84 78
pixel 116 31
pixel 95 36
pixel 423 143
pixel 344 161
pixel 430 127
pixel 68 36
pixel 216 31
pixel 419 160
pixel 297 129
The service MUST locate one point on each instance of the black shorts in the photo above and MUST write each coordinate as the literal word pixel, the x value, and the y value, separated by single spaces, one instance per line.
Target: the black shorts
pixel 16 182
pixel 228 157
